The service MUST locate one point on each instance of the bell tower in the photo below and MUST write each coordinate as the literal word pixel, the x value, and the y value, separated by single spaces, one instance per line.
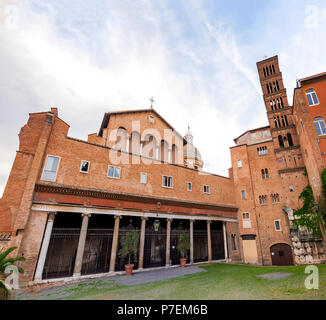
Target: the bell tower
pixel 279 113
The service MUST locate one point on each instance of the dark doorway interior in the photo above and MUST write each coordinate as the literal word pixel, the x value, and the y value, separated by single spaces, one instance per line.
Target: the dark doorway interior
pixel 155 243
pixel 281 254
pixel 217 240
pixel 97 253
pixel 60 258
pixel 177 228
pixel 200 241
pixel 127 224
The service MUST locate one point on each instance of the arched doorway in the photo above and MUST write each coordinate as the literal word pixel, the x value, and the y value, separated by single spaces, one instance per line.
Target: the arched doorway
pixel 281 254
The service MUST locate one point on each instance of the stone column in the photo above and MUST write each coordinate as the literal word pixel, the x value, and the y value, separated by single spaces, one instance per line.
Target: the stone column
pixel 81 245
pixel 168 241
pixel 209 241
pixel 45 246
pixel 226 253
pixel 191 241
pixel 142 243
pixel 114 243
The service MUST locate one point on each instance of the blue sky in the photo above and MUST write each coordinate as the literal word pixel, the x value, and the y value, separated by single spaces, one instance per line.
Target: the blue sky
pixel 196 57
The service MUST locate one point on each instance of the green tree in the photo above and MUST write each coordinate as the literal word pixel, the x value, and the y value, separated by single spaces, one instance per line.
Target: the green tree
pixel 183 244
pixel 129 245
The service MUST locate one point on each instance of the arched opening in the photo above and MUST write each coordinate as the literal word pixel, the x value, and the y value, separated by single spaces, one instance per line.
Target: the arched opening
pixel 164 151
pixel 122 137
pixel 281 255
pixel 174 154
pixel 290 141
pixel 134 143
pixel 149 146
pixel 281 142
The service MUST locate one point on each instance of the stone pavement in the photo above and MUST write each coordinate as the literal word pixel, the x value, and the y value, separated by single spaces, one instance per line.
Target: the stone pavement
pixel 275 275
pixel 67 290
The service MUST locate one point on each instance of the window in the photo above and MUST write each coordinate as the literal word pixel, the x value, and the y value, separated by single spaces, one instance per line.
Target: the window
pixel 239 164
pixel 265 133
pixel 301 125
pixel 114 172
pixel 264 173
pixel 84 167
pixel 263 200
pixel 312 97
pixel 290 141
pixel 253 136
pixel 167 182
pixel 277 224
pixel 143 178
pixel 281 142
pixel 275 198
pixel 314 182
pixel 50 168
pixel 246 220
pixel 291 188
pixel 234 242
pixel 243 194
pixel 207 190
pixel 320 126
pixel 189 186
pixel 262 151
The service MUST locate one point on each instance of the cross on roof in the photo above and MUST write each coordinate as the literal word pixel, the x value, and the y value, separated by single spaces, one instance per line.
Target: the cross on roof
pixel 152 101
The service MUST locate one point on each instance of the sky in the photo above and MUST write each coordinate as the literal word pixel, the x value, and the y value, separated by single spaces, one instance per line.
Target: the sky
pixel 197 58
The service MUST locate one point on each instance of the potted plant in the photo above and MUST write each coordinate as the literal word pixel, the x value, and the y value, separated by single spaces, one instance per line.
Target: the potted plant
pixel 183 246
pixel 129 248
pixel 5 290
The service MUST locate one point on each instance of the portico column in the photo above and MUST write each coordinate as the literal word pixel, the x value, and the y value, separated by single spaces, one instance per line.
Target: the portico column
pixel 114 243
pixel 168 241
pixel 226 253
pixel 142 243
pixel 45 246
pixel 209 241
pixel 81 245
pixel 191 241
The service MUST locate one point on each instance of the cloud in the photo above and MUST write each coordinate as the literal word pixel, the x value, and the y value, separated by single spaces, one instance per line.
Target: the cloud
pixel 88 58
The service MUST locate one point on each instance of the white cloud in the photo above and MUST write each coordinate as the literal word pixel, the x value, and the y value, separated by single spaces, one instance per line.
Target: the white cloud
pixel 113 55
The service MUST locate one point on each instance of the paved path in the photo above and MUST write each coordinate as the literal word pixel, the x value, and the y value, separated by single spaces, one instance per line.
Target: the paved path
pixel 275 275
pixel 67 290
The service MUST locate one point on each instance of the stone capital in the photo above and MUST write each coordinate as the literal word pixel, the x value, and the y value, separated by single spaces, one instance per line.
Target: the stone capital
pixel 117 217
pixel 51 216
pixel 88 215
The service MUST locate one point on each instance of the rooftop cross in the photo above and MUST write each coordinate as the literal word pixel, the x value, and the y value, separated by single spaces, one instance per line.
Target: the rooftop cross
pixel 152 101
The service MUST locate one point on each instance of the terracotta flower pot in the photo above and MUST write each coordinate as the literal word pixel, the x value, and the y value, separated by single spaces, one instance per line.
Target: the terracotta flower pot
pixel 129 268
pixel 183 262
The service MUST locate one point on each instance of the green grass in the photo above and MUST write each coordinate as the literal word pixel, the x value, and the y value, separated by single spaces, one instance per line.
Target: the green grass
pixel 220 282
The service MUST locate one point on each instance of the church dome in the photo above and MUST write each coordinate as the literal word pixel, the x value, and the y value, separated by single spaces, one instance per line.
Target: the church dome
pixel 191 154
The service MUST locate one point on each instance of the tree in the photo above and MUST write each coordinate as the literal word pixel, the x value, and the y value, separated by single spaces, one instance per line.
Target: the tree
pixel 129 245
pixel 4 263
pixel 183 244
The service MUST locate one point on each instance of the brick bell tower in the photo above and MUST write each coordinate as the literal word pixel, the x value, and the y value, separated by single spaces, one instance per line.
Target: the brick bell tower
pixel 279 113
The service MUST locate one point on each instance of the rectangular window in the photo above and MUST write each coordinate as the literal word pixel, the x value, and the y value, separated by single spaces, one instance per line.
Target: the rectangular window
pixel 114 172
pixel 277 225
pixel 243 194
pixel 50 168
pixel 265 133
pixel 239 164
pixel 84 166
pixel 207 190
pixel 189 186
pixel 167 182
pixel 143 178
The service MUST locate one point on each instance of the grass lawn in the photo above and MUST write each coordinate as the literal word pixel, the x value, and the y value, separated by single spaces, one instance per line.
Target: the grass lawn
pixel 220 282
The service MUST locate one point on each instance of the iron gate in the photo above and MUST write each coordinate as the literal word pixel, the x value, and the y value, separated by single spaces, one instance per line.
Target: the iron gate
pixel 97 252
pixel 61 255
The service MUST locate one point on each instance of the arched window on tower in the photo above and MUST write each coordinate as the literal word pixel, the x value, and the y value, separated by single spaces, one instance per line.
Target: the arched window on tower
pixel 273 69
pixel 264 173
pixel 281 142
pixel 277 122
pixel 290 140
pixel 264 72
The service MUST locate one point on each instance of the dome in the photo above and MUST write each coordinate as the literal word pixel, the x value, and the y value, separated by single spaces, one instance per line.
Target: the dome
pixel 191 152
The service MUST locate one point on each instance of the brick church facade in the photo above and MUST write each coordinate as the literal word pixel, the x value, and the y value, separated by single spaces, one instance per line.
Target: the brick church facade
pixel 68 202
